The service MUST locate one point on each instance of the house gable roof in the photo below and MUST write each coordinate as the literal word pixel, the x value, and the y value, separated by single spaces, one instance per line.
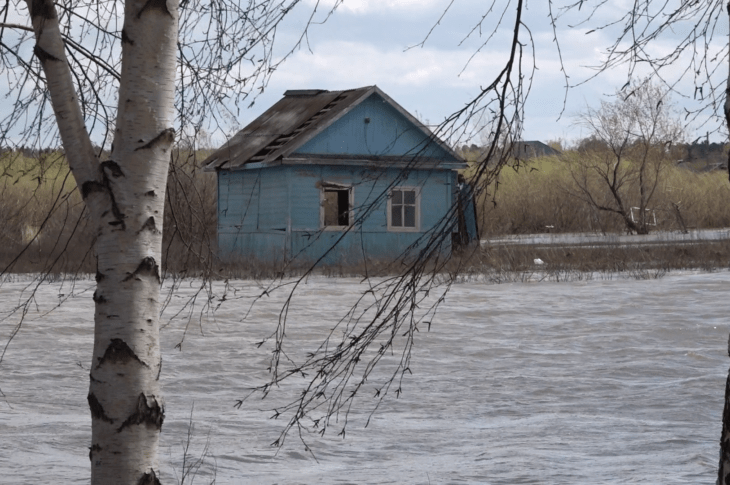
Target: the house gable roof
pixel 373 128
pixel 295 126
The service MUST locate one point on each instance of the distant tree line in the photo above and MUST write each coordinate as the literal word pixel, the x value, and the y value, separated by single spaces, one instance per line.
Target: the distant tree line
pixel 633 172
pixel 700 156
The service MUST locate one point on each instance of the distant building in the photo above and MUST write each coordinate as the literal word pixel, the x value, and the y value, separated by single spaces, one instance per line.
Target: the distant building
pixel 525 150
pixel 347 167
pixel 705 157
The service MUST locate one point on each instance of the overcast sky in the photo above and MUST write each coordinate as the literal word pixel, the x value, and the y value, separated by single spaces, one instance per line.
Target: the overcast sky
pixel 380 42
pixel 367 42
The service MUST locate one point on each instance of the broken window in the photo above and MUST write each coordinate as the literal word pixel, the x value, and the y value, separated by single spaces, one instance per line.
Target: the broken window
pixel 336 210
pixel 403 209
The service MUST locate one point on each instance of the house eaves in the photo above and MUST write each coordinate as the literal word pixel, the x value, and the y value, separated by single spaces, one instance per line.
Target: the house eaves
pixel 294 120
pixel 279 121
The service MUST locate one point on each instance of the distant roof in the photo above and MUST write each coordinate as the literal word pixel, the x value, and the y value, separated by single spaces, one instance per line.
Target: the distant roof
pixel 532 149
pixel 294 120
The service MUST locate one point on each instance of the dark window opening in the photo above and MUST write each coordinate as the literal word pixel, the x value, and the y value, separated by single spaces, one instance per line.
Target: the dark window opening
pixel 337 207
pixel 403 208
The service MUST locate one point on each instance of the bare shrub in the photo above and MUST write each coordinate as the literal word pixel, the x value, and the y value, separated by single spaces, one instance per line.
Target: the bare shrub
pixel 189 242
pixel 539 197
pixel 44 227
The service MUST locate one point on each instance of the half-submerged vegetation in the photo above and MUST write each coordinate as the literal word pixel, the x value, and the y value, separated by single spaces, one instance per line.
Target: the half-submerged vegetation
pixel 44 225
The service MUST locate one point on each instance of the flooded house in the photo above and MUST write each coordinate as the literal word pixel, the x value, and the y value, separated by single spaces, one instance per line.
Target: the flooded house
pixel 338 177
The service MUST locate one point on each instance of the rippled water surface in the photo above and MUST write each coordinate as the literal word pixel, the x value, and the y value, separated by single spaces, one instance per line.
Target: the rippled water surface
pixel 617 381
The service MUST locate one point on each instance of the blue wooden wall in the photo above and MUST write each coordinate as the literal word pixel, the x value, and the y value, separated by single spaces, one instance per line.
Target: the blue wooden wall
pixel 273 214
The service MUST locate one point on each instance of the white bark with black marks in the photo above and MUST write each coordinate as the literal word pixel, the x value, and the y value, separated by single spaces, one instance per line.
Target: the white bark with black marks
pixel 126 363
pixel 125 196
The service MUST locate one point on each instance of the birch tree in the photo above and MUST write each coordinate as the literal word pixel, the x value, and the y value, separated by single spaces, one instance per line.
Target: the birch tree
pixel 182 64
pixel 188 61
pixel 124 194
pixel 125 198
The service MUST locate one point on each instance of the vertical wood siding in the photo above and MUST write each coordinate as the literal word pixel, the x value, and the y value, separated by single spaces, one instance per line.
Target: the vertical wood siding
pixel 252 214
pixel 274 213
pixel 374 127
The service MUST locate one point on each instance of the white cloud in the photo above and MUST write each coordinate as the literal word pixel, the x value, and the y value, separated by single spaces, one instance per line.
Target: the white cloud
pixel 344 63
pixel 360 46
pixel 361 7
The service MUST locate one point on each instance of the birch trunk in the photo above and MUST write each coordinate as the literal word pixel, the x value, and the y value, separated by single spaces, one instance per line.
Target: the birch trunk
pixel 125 196
pixel 723 472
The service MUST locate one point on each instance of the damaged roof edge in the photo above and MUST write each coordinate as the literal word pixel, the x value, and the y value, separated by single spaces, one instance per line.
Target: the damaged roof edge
pixel 304 92
pixel 301 115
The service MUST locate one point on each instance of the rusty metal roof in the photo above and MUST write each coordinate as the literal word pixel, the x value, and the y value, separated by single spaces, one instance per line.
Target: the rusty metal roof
pixel 295 119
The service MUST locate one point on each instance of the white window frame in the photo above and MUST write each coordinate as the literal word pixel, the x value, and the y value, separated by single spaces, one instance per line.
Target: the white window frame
pixel 417 227
pixel 335 186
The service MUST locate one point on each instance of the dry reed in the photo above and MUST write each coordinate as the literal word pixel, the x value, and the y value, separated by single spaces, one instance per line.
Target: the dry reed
pixel 44 228
pixel 541 196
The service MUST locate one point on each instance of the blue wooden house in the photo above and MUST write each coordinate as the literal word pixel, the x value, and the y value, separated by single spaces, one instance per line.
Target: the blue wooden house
pixel 336 177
